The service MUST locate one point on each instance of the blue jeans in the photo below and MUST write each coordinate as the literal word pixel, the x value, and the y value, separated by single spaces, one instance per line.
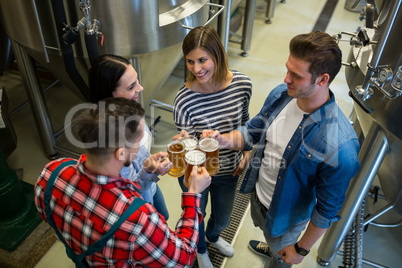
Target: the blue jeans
pixel 222 190
pixel 159 203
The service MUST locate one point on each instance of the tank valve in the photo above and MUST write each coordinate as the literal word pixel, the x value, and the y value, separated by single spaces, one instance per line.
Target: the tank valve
pixel 71 34
pixel 365 94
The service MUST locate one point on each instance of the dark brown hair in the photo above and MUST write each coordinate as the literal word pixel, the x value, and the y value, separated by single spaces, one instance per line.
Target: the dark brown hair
pixel 109 125
pixel 321 50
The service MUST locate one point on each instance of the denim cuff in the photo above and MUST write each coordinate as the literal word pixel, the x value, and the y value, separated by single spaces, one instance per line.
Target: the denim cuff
pixel 247 139
pixel 144 176
pixel 321 221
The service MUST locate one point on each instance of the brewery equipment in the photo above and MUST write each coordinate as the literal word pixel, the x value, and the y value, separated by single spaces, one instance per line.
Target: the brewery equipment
pixel 66 36
pixel 373 76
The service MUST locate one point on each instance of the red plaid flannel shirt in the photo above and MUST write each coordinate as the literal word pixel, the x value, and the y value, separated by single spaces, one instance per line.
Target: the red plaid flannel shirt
pixel 85 206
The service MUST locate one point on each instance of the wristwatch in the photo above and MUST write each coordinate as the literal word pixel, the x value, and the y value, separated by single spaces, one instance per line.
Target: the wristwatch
pixel 301 251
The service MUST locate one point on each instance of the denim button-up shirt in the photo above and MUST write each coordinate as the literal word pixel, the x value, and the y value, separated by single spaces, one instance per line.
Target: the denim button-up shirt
pixel 135 172
pixel 317 164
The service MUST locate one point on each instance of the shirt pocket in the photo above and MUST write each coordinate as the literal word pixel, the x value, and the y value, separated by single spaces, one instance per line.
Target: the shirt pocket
pixel 307 160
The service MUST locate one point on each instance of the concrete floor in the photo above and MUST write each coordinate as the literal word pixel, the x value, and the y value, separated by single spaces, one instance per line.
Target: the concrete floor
pixel 265 65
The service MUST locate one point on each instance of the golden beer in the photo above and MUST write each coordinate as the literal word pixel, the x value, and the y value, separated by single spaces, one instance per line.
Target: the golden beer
pixel 176 156
pixel 211 148
pixel 190 143
pixel 193 158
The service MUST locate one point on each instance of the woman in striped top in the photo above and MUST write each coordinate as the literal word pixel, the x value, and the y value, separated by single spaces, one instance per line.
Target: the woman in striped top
pixel 213 97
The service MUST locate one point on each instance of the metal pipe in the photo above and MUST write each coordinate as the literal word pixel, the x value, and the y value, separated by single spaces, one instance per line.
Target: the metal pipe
pixel 22 106
pixel 269 12
pixel 371 155
pixel 161 105
pixel 379 49
pixel 224 23
pixel 373 264
pixel 66 49
pixel 391 225
pixel 378 214
pixel 248 26
pixel 36 99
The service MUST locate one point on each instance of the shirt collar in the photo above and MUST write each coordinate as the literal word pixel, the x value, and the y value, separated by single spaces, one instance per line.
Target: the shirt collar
pixel 119 182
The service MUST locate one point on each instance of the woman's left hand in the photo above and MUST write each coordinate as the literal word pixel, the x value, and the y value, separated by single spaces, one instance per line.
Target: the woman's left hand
pixel 243 163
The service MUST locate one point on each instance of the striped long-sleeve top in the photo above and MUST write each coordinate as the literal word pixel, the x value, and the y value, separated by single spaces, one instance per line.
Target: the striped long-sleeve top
pixel 223 111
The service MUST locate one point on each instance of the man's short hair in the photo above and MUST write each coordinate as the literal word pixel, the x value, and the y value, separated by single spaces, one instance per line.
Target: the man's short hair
pixel 321 50
pixel 109 125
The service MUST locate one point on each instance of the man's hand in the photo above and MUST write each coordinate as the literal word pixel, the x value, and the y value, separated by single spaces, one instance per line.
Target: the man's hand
pixel 198 181
pixel 290 256
pixel 243 163
pixel 157 163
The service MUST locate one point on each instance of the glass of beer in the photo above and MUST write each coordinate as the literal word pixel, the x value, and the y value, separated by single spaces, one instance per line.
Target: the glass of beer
pixel 211 148
pixel 191 143
pixel 176 156
pixel 193 158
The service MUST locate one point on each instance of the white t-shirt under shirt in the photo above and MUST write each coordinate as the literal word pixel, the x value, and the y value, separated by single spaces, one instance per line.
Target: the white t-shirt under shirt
pixel 278 136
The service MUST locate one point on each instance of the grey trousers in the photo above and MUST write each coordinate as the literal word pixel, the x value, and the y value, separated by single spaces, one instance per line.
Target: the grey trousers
pixel 258 214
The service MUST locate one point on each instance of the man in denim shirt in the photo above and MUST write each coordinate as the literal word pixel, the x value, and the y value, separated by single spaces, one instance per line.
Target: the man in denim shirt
pixel 306 153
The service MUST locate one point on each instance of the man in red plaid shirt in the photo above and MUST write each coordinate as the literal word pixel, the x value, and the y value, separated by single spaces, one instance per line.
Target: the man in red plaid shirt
pixel 89 197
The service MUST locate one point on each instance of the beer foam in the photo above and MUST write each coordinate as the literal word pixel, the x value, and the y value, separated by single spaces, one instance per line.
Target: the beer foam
pixel 190 143
pixel 176 147
pixel 209 144
pixel 195 157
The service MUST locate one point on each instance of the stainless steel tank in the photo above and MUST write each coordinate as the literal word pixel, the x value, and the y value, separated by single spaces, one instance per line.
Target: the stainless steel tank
pixel 374 60
pixel 385 101
pixel 149 33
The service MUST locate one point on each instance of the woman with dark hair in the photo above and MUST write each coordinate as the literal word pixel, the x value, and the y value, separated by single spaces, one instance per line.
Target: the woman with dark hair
pixel 213 97
pixel 114 76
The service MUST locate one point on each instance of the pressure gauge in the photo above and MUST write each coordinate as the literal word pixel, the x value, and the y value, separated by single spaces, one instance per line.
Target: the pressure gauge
pixel 385 74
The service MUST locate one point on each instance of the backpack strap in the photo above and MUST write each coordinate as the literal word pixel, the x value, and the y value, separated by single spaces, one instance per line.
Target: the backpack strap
pixel 98 245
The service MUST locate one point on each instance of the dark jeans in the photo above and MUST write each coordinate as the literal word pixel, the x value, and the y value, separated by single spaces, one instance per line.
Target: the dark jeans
pixel 222 190
pixel 159 203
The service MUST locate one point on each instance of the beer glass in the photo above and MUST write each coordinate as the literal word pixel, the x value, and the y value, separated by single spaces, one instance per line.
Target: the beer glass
pixel 193 158
pixel 190 143
pixel 176 156
pixel 211 148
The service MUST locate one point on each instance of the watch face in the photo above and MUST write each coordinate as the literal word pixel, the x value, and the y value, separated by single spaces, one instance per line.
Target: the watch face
pixel 301 251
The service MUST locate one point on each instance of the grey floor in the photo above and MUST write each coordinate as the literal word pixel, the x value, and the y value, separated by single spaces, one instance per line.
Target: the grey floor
pixel 265 65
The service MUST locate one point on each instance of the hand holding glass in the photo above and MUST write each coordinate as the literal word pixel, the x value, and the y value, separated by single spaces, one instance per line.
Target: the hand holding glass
pixel 211 148
pixel 176 156
pixel 193 158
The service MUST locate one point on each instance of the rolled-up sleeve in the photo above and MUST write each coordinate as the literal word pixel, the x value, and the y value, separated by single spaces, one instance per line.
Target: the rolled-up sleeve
pixel 247 139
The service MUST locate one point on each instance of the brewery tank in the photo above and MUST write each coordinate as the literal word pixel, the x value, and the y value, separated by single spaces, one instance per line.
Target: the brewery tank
pixel 385 102
pixel 64 37
pixel 150 31
pixel 373 64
